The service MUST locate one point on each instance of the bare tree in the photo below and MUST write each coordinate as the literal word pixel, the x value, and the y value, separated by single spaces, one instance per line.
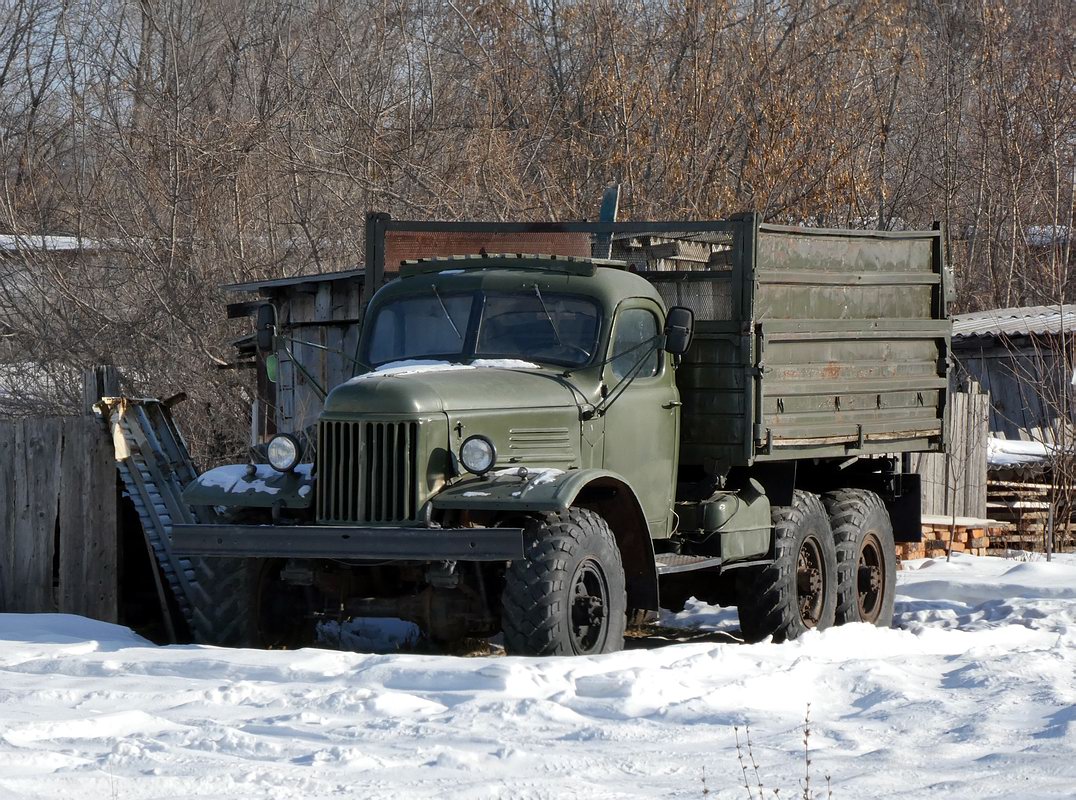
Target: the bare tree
pixel 193 144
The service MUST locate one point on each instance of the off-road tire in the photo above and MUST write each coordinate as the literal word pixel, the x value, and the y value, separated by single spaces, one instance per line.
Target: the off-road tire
pixel 570 557
pixel 224 608
pixel 866 556
pixel 770 598
pixel 240 602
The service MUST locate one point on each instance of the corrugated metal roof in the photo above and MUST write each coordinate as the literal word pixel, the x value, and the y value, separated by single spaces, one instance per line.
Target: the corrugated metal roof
pixel 281 283
pixel 1039 320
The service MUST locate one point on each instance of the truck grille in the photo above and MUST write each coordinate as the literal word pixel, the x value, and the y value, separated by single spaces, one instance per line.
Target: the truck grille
pixel 367 471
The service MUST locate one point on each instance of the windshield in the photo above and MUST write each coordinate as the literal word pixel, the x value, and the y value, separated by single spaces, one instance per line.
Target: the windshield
pixel 527 324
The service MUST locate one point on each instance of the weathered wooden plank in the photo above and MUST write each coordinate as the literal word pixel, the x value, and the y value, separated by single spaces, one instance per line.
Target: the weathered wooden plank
pixel 323 302
pixel 101 576
pixel 339 366
pixel 301 309
pixel 37 484
pixel 347 295
pixel 323 356
pixel 7 516
pixel 926 469
pixel 89 538
pixel 977 469
pixel 286 395
pixel 954 454
pixel 958 472
pixel 97 382
pixel 956 482
pixel 1005 394
pixel 938 477
pixel 354 300
pixel 72 517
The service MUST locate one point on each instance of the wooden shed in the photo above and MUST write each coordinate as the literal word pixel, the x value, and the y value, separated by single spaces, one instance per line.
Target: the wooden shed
pixel 318 319
pixel 1024 358
pixel 317 322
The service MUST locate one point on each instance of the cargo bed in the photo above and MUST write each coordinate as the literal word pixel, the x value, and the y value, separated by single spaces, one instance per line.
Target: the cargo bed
pixel 813 343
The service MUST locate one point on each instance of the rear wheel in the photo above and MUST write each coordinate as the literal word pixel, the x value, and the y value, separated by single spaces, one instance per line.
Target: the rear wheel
pixel 798 591
pixel 866 556
pixel 567 595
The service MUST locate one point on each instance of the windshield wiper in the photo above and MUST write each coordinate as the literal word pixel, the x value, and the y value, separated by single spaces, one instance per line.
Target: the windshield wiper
pixel 548 316
pixel 444 308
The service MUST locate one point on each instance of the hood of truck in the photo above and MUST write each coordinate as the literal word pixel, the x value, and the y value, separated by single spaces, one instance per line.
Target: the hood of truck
pixel 451 389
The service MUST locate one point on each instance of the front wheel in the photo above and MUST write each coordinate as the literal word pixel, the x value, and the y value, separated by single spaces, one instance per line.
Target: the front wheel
pixel 567 595
pixel 798 591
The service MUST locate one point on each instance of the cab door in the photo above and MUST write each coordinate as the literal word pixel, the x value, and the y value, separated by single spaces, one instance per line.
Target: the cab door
pixel 642 421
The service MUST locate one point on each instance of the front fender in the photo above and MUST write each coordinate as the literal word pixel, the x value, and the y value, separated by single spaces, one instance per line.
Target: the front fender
pixel 252 486
pixel 605 492
pixel 507 490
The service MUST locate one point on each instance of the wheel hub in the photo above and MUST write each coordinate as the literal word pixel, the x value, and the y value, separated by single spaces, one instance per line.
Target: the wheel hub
pixel 870 578
pixel 588 612
pixel 810 582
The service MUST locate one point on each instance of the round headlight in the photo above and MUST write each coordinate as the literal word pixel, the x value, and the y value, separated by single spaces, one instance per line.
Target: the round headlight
pixel 283 452
pixel 478 455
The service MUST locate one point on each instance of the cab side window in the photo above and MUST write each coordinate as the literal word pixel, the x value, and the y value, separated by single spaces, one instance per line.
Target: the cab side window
pixel 635 340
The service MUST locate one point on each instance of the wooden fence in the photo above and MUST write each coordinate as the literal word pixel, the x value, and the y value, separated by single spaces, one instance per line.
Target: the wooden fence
pixel 59 542
pixel 954 483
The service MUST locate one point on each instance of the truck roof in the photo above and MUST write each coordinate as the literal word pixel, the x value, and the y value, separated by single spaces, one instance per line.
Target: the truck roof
pixel 572 265
pixel 606 280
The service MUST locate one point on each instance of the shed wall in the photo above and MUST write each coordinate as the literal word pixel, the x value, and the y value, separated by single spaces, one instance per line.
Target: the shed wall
pixel 320 336
pixel 1029 381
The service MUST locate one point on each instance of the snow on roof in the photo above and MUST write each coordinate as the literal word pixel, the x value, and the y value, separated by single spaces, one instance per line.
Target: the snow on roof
pixel 1022 321
pixel 1047 235
pixel 19 243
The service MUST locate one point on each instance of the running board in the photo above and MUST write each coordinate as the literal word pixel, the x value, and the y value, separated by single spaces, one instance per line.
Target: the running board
pixel 671 563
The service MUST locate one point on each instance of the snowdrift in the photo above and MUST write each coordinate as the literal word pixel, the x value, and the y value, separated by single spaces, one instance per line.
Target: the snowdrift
pixel 972 694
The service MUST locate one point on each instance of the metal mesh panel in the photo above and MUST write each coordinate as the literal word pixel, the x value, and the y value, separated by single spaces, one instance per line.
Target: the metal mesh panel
pixel 367 471
pixel 709 299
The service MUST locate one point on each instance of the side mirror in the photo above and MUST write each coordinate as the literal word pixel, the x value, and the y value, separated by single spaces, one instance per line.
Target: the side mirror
pixel 272 368
pixel 679 327
pixel 265 328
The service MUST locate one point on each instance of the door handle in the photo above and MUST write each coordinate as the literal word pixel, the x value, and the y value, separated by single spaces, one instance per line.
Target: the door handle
pixel 672 404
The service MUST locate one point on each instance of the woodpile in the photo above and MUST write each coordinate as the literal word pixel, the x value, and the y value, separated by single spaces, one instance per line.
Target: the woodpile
pixel 1026 507
pixel 941 535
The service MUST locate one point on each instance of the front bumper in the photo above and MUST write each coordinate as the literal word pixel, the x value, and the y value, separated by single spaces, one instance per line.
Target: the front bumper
pixel 324 541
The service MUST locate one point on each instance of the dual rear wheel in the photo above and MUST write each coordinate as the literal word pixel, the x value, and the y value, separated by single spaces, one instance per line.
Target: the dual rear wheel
pixel 834 562
pixel 866 556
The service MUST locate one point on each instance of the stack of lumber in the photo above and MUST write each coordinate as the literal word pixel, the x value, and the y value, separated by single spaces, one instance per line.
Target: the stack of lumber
pixel 1026 507
pixel 942 534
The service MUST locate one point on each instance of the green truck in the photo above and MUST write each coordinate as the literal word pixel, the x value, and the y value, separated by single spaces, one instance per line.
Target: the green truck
pixel 554 446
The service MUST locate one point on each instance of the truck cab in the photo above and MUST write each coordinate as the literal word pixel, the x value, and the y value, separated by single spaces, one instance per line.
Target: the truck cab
pixel 502 364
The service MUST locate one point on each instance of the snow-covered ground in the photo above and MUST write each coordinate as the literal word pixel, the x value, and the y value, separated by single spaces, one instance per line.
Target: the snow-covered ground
pixel 972 695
